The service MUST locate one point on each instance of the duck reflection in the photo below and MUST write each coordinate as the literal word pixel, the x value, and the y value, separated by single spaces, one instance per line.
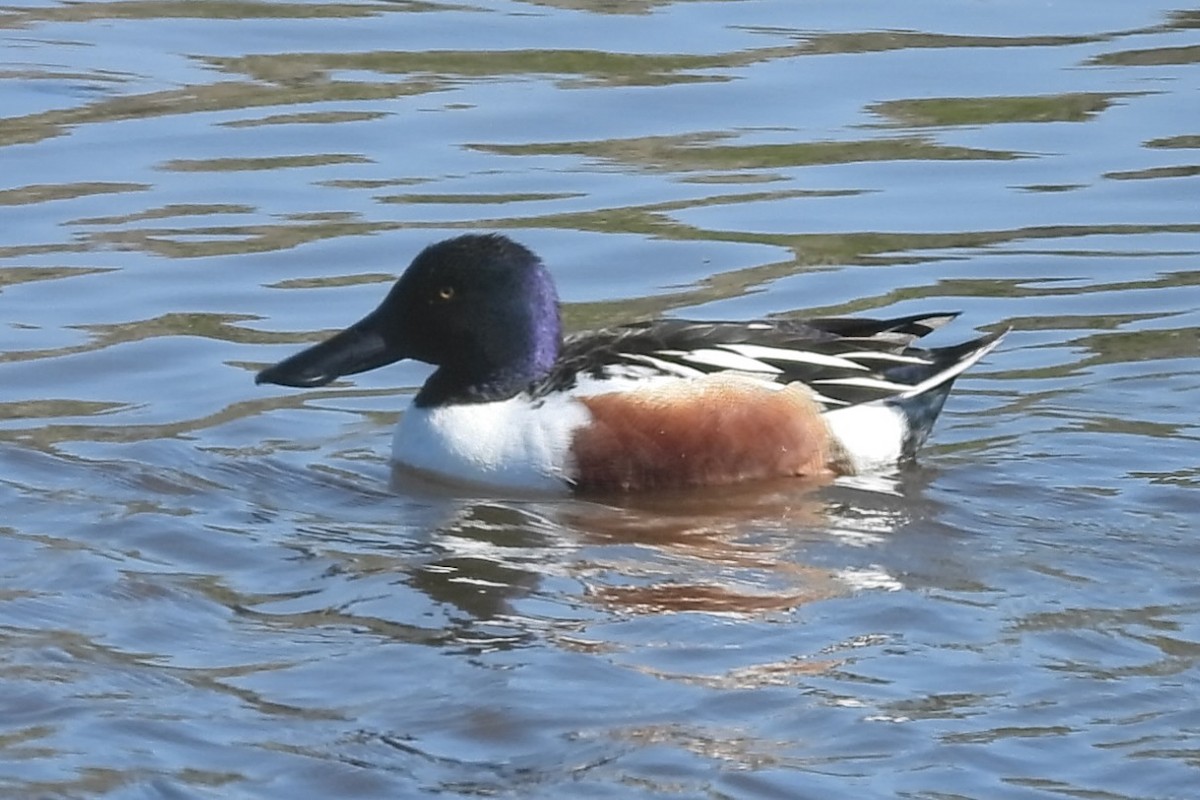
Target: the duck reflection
pixel 490 555
pixel 735 551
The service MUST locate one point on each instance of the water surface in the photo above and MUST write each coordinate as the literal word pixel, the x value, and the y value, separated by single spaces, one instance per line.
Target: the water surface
pixel 213 589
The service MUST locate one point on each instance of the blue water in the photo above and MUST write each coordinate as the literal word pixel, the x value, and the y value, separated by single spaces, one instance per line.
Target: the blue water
pixel 215 589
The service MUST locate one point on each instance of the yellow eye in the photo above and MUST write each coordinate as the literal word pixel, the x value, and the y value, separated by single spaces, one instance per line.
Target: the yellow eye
pixel 446 293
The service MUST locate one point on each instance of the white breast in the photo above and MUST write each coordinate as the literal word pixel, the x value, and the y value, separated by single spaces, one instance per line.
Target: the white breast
pixel 515 444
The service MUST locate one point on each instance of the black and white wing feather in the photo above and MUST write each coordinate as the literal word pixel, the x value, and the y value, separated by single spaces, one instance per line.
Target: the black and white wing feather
pixel 844 361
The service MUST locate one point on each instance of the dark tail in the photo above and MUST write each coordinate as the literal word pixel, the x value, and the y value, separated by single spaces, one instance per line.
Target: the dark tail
pixel 923 402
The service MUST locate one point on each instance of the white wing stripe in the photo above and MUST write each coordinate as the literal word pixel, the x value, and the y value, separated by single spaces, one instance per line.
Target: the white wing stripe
pixel 786 354
pixel 952 371
pixel 822 400
pixel 669 367
pixel 875 355
pixel 727 360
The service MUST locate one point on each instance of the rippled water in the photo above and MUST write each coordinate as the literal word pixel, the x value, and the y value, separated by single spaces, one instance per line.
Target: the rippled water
pixel 213 589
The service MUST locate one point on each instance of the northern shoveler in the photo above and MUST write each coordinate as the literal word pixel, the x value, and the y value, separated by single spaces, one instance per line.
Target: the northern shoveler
pixel 515 406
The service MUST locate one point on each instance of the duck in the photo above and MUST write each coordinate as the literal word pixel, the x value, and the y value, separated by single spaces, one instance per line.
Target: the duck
pixel 514 405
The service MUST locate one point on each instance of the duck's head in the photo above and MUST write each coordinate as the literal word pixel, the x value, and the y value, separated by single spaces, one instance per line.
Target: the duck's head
pixel 481 308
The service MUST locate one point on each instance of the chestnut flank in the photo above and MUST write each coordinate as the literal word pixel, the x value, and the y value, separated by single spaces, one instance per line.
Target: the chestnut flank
pixel 719 430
